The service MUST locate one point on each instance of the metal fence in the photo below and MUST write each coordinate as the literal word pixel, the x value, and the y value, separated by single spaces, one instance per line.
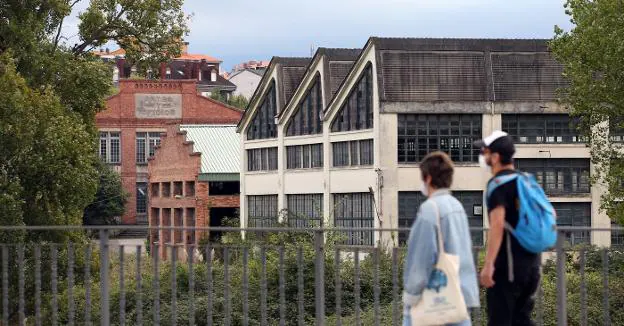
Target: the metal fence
pixel 69 275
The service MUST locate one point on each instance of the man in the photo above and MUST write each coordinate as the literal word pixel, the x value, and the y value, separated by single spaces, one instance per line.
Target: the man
pixel 510 273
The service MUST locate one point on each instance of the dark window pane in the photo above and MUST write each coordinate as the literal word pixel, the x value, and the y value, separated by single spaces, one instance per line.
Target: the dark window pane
pixel 262 210
pixel 354 210
pixel 559 176
pixel 356 112
pixel 541 128
pixel 340 152
pixel 262 125
pixel 305 211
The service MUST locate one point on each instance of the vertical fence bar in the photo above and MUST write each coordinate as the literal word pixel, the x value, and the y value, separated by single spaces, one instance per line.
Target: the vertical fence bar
pixel 477 311
pixel 122 292
pixel 139 287
pixel 376 290
pixel 191 277
pixel 395 286
pixel 540 303
pixel 263 288
pixel 209 285
pixel 300 307
pixel 156 283
pixel 226 287
pixel 319 278
pixel 582 263
pixel 245 286
pixel 20 268
pixel 605 288
pixel 104 279
pixel 53 258
pixel 356 287
pixel 70 283
pixel 87 282
pixel 174 284
pixel 282 288
pixel 338 288
pixel 562 314
pixel 37 285
pixel 5 285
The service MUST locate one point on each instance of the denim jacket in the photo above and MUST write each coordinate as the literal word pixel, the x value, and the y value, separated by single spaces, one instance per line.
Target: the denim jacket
pixel 422 250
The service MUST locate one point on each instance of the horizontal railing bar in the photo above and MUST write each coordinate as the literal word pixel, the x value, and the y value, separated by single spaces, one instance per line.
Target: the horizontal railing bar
pixel 251 229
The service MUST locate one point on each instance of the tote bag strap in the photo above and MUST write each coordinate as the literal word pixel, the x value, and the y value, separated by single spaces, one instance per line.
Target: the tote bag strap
pixel 439 225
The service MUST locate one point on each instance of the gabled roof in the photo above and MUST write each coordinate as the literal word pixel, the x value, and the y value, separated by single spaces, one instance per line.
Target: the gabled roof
pixel 337 64
pixel 219 146
pixel 259 72
pixel 289 71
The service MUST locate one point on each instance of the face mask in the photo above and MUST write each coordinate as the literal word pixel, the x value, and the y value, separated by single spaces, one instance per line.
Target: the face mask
pixel 483 164
pixel 424 189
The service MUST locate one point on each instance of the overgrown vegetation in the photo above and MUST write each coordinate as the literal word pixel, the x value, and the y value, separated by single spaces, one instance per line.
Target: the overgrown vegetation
pixel 281 252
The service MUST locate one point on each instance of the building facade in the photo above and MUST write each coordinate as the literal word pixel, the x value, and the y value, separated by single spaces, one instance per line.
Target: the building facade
pixel 193 182
pixel 131 125
pixel 355 163
pixel 246 81
pixel 204 69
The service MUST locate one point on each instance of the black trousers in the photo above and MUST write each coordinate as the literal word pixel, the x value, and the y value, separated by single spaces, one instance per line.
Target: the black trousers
pixel 511 303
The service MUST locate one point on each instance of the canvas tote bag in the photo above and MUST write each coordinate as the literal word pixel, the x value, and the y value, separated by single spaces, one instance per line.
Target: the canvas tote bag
pixel 442 301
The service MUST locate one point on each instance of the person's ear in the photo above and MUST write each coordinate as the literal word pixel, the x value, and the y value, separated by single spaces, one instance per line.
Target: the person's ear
pixel 428 180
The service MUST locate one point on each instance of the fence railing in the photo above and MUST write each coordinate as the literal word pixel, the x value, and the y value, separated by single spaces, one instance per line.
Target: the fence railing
pixel 70 275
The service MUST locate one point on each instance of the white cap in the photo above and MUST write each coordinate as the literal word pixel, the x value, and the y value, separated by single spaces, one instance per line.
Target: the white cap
pixel 487 141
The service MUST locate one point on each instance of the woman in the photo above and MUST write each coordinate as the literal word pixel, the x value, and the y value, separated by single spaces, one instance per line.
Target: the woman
pixel 437 176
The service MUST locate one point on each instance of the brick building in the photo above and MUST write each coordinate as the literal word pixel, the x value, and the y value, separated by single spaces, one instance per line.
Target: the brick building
pixel 133 121
pixel 194 181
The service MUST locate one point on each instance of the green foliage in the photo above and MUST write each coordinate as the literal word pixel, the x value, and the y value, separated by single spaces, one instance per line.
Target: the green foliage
pixel 237 101
pixel 46 157
pixel 591 54
pixel 110 198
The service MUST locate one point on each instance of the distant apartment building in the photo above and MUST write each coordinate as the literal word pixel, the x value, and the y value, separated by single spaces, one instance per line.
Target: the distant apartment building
pixel 246 81
pixel 131 125
pixel 251 65
pixel 193 182
pixel 344 140
pixel 204 69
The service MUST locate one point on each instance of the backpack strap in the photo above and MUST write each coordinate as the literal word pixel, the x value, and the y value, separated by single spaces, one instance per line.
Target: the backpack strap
pixel 499 181
pixel 493 185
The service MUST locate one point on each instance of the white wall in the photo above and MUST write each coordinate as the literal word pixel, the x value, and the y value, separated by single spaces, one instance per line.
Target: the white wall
pixel 246 83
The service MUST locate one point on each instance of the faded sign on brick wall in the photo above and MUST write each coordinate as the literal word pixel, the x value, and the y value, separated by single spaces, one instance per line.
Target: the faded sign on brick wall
pixel 158 106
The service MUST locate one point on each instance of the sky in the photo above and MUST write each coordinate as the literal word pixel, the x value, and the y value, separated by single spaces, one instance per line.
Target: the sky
pixel 240 30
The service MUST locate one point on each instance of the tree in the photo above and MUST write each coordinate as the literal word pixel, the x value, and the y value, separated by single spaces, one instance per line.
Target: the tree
pixel 110 198
pixel 50 92
pixel 237 101
pixel 46 154
pixel 593 62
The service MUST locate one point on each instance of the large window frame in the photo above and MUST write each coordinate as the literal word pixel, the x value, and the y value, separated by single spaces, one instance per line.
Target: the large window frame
pixel 353 153
pixel 110 147
pixel 146 143
pixel 262 210
pixel 356 113
pixel 306 120
pixel 305 210
pixel 262 159
pixel 262 125
pixel 541 129
pixel 472 201
pixel 574 214
pixel 559 176
pixel 421 134
pixel 308 156
pixel 355 210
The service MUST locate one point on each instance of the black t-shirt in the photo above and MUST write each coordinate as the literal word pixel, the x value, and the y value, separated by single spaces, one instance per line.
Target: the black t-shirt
pixel 524 262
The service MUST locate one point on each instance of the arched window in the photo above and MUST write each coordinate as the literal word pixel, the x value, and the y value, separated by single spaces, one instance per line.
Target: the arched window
pixel 306 119
pixel 262 125
pixel 356 112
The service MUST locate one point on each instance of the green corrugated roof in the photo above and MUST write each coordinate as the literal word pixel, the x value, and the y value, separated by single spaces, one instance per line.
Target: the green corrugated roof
pixel 219 146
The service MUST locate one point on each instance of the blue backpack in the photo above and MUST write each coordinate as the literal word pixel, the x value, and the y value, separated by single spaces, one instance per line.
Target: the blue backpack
pixel 536 230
